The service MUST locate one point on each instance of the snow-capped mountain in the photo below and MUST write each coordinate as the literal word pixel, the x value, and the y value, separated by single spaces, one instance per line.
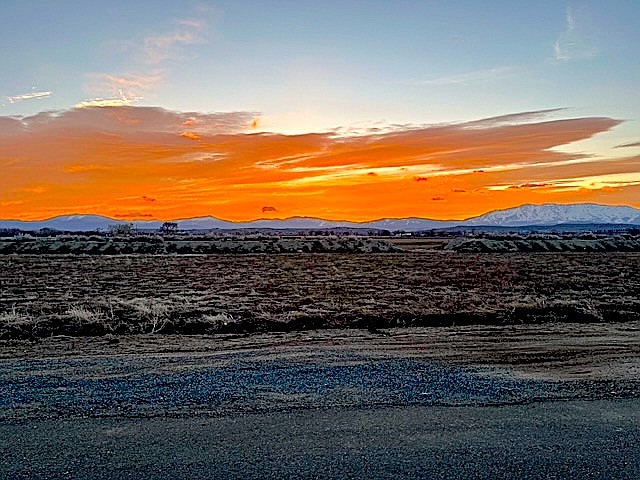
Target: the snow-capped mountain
pixel 303 223
pixel 203 223
pixel 555 214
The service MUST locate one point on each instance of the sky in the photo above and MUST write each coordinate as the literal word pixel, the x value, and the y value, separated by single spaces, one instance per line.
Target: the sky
pixel 352 110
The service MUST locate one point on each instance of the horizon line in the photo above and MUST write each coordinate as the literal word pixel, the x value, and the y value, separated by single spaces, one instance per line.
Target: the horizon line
pixel 134 219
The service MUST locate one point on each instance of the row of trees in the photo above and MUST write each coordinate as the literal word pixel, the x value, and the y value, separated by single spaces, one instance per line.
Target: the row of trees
pixel 128 229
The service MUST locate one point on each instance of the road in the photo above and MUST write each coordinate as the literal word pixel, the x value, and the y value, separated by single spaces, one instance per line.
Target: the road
pixel 568 439
pixel 325 405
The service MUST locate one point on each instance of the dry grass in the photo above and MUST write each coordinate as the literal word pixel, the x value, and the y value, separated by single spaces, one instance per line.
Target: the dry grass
pixel 51 295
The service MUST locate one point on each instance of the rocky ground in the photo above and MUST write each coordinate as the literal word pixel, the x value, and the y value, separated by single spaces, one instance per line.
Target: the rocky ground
pixel 174 375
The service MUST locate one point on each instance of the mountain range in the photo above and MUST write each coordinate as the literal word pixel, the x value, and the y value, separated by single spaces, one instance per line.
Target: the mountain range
pixel 525 215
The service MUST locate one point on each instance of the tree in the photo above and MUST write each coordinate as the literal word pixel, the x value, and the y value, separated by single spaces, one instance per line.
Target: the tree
pixel 169 228
pixel 121 229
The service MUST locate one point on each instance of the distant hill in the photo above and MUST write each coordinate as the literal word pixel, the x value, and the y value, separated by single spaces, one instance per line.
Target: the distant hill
pixel 549 214
pixel 555 214
pixel 79 223
pixel 73 223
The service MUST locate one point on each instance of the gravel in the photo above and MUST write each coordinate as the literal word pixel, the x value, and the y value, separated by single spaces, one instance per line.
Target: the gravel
pixel 185 385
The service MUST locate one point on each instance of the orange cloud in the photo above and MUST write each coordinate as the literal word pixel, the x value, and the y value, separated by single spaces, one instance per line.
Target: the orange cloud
pixel 98 160
pixel 190 135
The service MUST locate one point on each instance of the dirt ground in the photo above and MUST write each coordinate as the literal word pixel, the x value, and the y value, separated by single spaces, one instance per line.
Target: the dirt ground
pixel 340 403
pixel 553 351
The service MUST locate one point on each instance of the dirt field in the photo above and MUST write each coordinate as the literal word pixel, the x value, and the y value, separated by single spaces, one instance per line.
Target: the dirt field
pixel 42 296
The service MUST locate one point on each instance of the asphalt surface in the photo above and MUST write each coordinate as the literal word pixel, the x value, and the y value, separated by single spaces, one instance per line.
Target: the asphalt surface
pixel 570 439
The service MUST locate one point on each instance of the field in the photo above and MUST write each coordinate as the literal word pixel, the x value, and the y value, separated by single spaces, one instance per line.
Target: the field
pixel 187 245
pixel 291 366
pixel 45 295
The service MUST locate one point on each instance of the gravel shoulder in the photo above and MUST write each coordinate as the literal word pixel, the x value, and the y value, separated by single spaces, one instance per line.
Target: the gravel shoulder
pixel 154 375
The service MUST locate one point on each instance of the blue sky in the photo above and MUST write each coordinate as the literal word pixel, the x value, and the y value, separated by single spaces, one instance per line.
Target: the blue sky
pixel 308 64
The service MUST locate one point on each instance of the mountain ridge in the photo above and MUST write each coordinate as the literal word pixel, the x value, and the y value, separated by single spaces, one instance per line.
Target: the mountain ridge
pixel 523 215
pixel 555 214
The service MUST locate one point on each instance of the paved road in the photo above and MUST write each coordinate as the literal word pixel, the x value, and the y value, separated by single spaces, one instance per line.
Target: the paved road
pixel 559 439
pixel 307 412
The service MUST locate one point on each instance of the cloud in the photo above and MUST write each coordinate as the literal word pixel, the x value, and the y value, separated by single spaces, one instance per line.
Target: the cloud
pixel 129 123
pixel 131 86
pixel 99 160
pixel 155 54
pixel 535 185
pixel 599 182
pixel 190 135
pixel 161 48
pixel 468 78
pixel 29 96
pixel 167 46
pixel 121 101
pixel 514 118
pixel 631 144
pixel 524 185
pixel 573 44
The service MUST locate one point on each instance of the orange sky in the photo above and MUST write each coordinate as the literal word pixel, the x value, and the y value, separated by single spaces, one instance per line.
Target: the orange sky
pixel 143 162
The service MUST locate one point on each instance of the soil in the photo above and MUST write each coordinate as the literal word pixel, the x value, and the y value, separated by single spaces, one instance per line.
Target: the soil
pixel 552 351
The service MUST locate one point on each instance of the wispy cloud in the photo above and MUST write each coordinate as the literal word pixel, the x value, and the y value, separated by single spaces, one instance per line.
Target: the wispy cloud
pixel 513 118
pixel 572 44
pixel 595 182
pixel 468 78
pixel 124 89
pixel 29 96
pixel 156 53
pixel 160 48
pixel 631 144
pixel 131 84
pixel 121 101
